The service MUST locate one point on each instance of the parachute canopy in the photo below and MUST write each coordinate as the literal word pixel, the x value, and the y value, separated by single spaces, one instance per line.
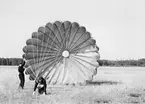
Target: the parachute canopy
pixel 61 52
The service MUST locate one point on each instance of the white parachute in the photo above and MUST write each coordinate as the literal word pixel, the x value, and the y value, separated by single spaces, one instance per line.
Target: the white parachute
pixel 61 52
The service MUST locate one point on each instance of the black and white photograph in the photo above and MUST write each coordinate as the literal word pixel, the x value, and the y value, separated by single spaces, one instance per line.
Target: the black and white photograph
pixel 72 51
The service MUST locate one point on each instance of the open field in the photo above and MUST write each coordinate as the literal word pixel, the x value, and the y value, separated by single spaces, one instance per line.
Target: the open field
pixel 112 85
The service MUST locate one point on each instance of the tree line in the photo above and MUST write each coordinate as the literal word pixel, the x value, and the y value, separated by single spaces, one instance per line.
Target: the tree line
pixel 10 61
pixel 117 63
pixel 102 62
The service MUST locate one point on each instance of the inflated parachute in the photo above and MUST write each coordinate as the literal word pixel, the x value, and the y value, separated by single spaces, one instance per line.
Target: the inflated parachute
pixel 61 52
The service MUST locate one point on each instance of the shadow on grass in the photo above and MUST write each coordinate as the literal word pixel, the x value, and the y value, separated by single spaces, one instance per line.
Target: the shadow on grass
pixel 102 101
pixel 134 95
pixel 103 83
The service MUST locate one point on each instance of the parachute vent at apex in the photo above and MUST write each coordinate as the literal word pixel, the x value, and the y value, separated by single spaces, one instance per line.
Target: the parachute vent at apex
pixel 61 52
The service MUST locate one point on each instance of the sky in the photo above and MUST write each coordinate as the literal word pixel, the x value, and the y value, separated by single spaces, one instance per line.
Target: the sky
pixel 118 26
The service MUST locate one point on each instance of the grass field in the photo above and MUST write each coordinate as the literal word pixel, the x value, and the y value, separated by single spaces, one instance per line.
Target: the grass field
pixel 112 85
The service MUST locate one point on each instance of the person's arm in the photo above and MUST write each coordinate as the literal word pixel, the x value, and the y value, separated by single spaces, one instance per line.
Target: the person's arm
pixel 35 87
pixel 23 63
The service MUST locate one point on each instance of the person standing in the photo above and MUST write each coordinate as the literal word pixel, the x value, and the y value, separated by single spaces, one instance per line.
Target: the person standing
pixel 21 74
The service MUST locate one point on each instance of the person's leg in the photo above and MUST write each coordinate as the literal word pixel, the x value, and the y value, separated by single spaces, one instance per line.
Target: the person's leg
pixel 23 80
pixel 20 77
pixel 41 90
pixel 45 86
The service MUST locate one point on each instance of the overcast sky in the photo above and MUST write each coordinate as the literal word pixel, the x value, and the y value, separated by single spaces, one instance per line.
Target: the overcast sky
pixel 117 25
